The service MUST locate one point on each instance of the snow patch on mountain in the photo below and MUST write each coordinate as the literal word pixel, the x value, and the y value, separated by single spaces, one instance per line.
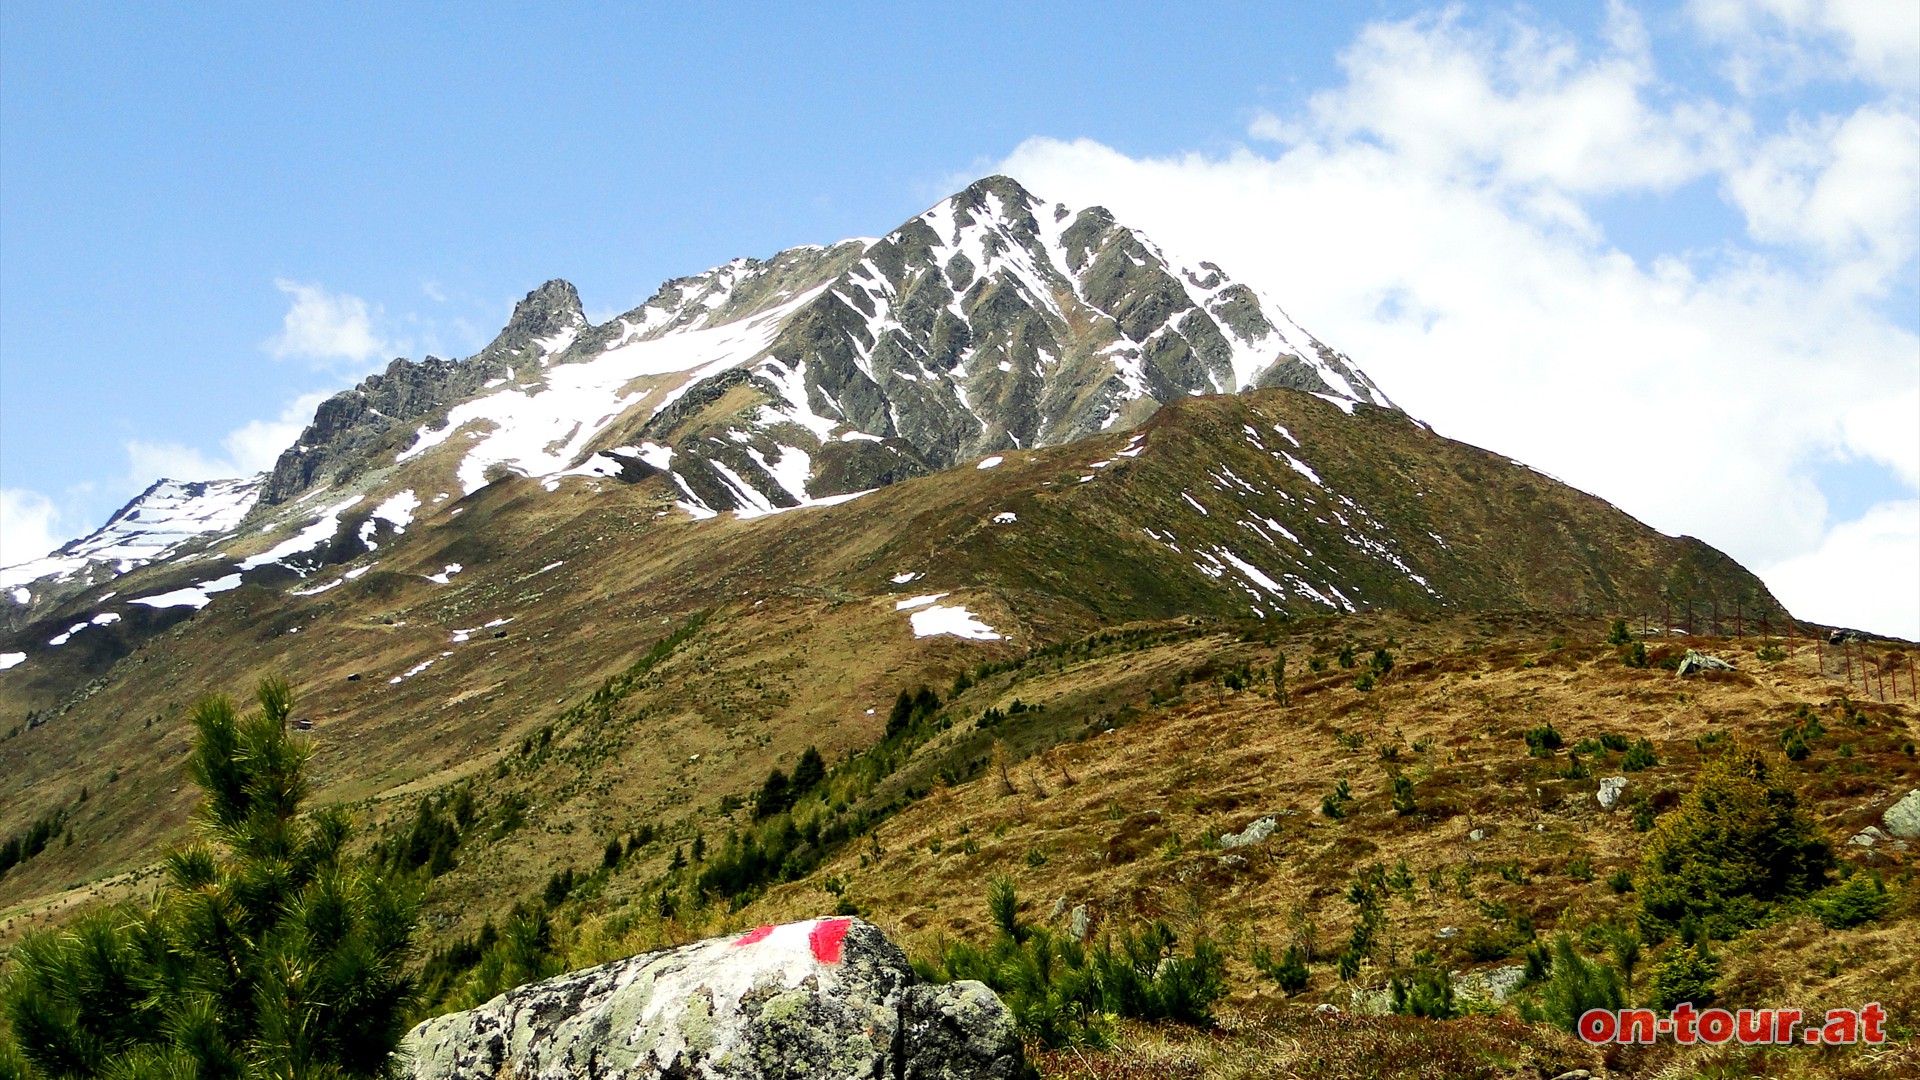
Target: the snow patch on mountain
pixel 162 520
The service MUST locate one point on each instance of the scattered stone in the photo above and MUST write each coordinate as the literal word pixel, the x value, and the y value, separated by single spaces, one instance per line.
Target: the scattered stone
pixel 1867 837
pixel 1080 924
pixel 1231 861
pixel 1327 1008
pixel 1610 789
pixel 1252 834
pixel 1575 1074
pixel 1477 835
pixel 1903 818
pixel 1492 985
pixel 1059 909
pixel 1699 661
pixel 825 997
pixel 1447 932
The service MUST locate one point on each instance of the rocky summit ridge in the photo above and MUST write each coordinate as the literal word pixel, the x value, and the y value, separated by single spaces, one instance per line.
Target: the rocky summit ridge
pixel 992 321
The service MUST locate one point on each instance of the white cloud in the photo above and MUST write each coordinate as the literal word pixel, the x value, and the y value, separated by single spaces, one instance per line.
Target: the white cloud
pixel 246 450
pixel 1843 187
pixel 29 526
pixel 1865 574
pixel 321 325
pixel 1440 218
pixel 1778 44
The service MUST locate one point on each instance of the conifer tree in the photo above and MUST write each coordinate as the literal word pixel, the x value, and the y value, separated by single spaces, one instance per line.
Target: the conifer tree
pixel 266 952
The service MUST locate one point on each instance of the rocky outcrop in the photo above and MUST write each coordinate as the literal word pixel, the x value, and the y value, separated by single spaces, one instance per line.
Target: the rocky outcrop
pixel 826 998
pixel 353 426
pixel 1903 818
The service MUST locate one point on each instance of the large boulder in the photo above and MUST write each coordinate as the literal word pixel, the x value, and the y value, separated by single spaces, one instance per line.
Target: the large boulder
pixel 1903 818
pixel 825 998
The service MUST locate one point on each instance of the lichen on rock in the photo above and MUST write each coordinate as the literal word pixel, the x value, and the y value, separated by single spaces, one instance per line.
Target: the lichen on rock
pixel 823 998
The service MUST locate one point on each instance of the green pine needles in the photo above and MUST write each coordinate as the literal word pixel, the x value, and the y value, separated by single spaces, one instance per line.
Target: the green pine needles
pixel 266 951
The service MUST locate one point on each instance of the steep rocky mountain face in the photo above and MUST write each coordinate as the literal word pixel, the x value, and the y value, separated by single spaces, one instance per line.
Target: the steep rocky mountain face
pixel 993 321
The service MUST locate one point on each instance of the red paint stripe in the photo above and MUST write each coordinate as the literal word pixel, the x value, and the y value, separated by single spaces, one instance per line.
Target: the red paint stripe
pixel 826 936
pixel 753 935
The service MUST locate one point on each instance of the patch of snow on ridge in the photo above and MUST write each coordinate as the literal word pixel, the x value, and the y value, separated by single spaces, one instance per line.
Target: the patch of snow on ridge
pixel 1251 572
pixel 1005 517
pixel 305 540
pixel 541 434
pixel 957 621
pixel 414 670
pixel 11 660
pixel 446 574
pixel 902 579
pixel 162 519
pixel 1303 469
pixel 398 510
pixel 990 462
pixel 918 601
pixel 193 596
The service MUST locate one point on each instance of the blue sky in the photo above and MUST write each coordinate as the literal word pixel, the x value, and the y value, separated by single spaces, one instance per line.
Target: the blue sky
pixel 209 217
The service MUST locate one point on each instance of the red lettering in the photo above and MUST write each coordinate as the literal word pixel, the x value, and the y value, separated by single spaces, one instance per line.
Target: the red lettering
pixel 1784 1021
pixel 1871 1017
pixel 1637 1026
pixel 1756 1025
pixel 1716 1026
pixel 1597 1025
pixel 1842 1026
pixel 1683 1019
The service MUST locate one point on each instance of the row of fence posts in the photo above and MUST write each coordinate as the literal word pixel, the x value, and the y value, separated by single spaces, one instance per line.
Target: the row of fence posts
pixel 1876 677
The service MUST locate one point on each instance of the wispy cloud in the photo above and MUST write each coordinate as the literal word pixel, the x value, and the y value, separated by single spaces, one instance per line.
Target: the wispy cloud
pixel 325 326
pixel 29 526
pixel 251 448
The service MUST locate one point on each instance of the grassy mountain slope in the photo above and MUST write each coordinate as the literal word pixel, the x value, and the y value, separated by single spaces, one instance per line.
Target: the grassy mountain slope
pixel 805 636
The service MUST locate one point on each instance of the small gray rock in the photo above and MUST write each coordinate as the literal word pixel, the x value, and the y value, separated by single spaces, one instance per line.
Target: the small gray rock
pixel 1477 835
pixel 1252 834
pixel 1327 1008
pixel 1902 819
pixel 1080 924
pixel 1447 932
pixel 1575 1074
pixel 1610 789
pixel 1866 837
